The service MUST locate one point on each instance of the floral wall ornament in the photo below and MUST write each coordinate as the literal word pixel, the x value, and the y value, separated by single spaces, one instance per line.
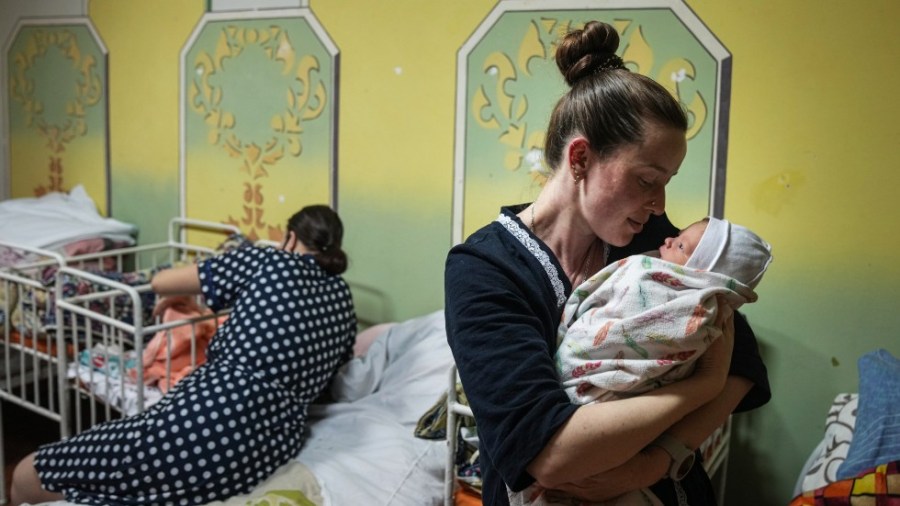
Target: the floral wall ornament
pixel 55 179
pixel 252 218
pixel 304 98
pixel 56 78
pixel 499 104
pixel 259 102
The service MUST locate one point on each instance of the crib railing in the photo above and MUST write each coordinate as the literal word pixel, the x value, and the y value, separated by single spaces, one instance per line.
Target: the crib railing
pixel 44 330
pixel 108 332
pixel 27 358
pixel 174 250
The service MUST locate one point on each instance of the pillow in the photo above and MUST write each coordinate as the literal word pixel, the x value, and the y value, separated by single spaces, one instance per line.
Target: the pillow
pixel 876 439
pixel 823 463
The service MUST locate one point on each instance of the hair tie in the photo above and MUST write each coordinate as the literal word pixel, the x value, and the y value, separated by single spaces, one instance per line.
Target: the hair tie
pixel 612 62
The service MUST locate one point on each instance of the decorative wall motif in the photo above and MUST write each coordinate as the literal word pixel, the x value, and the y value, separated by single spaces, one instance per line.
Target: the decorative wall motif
pixel 56 72
pixel 259 119
pixel 509 83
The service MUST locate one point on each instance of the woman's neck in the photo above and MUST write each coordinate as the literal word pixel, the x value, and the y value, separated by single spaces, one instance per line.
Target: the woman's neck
pixel 557 223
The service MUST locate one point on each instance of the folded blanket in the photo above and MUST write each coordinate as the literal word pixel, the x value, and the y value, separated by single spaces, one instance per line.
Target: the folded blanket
pixel 55 219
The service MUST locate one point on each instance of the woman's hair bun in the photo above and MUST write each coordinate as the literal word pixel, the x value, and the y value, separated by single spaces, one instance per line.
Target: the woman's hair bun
pixel 587 51
pixel 320 229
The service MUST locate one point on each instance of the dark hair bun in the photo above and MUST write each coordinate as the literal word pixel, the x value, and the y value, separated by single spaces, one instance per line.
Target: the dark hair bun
pixel 587 51
pixel 320 229
pixel 333 260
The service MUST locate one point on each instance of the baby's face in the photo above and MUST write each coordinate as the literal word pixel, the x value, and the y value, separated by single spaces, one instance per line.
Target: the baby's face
pixel 678 249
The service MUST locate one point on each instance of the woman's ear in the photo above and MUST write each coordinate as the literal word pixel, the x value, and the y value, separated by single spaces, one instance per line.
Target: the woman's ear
pixel 290 241
pixel 577 153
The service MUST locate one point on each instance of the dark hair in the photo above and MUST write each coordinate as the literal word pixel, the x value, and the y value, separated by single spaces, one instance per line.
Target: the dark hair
pixel 319 228
pixel 607 104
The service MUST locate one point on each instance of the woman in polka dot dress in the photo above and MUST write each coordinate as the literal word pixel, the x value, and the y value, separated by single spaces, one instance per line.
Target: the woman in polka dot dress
pixel 237 418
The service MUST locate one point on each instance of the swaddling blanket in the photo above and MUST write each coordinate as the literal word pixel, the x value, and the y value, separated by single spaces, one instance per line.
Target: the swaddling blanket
pixel 638 324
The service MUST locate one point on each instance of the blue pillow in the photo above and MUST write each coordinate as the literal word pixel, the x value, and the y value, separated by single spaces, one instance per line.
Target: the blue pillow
pixel 876 438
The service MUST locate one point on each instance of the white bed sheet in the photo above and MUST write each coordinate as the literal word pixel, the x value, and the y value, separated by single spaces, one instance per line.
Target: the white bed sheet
pixel 361 448
pixel 56 219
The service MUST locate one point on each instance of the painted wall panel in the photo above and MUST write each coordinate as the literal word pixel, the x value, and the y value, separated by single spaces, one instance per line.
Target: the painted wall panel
pixel 259 115
pixel 509 83
pixel 11 11
pixel 56 72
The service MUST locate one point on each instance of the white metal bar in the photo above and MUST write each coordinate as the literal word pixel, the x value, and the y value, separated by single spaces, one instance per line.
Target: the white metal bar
pixel 454 411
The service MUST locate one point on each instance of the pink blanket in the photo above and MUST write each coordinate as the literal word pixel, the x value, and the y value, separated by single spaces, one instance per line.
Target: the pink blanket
pixel 183 357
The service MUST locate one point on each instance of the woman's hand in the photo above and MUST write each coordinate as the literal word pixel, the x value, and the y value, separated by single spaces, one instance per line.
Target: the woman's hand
pixel 713 366
pixel 644 469
pixel 183 303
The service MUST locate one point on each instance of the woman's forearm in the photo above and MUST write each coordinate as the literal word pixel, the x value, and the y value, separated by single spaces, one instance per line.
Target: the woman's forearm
pixel 698 425
pixel 602 436
pixel 183 280
pixel 649 465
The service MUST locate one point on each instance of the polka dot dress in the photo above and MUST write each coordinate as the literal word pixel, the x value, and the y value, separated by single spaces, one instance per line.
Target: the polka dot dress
pixel 238 417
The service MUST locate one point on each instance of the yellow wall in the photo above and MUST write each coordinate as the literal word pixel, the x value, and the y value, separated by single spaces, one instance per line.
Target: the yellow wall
pixel 143 96
pixel 811 166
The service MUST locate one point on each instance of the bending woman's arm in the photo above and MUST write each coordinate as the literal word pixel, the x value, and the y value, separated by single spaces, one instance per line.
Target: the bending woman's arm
pixel 183 280
pixel 176 287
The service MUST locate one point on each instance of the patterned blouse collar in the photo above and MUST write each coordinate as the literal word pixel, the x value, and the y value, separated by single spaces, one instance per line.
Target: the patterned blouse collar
pixel 509 221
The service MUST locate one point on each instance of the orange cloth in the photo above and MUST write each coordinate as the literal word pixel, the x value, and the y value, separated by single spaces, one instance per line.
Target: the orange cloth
pixel 154 356
pixel 465 497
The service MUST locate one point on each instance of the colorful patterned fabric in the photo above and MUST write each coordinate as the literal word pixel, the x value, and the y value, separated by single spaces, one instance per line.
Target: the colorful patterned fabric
pixel 36 309
pixel 878 487
pixel 823 463
pixel 233 242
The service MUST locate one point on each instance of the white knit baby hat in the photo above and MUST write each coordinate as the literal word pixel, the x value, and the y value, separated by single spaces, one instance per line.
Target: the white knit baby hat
pixel 732 250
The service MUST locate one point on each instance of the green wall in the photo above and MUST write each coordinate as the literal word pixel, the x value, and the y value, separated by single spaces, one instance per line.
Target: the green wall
pixel 812 166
